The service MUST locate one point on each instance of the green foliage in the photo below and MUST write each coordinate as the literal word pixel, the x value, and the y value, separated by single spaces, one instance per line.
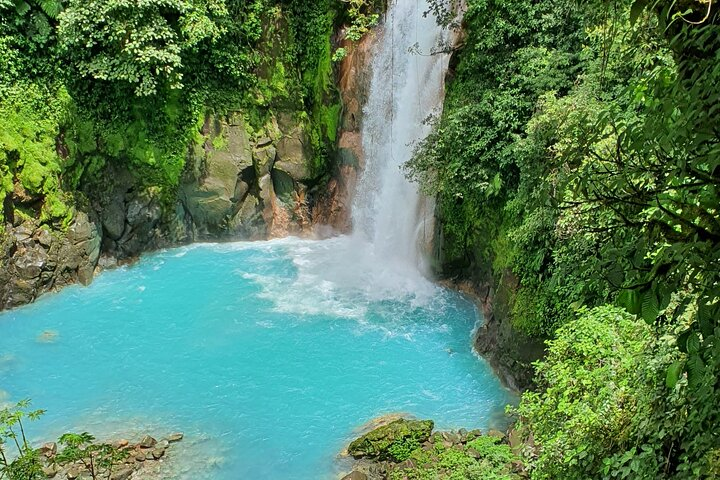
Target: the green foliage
pixel 23 463
pixel 484 156
pixel 28 154
pixel 590 393
pixel 126 84
pixel 605 409
pixel 139 43
pixel 98 459
pixel 363 16
pixel 483 458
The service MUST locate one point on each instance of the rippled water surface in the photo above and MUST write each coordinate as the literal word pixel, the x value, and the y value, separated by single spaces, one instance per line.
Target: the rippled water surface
pixel 266 356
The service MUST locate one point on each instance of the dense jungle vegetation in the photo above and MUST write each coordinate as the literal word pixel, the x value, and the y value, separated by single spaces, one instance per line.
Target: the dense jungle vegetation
pixel 579 154
pixel 85 83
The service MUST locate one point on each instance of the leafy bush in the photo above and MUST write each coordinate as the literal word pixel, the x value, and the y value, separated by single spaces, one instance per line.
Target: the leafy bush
pixel 589 393
pixel 23 463
pixel 483 458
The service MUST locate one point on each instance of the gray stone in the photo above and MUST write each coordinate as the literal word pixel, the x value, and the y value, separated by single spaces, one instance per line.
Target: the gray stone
pixel 263 142
pixel 283 185
pixel 113 218
pixel 49 449
pixel 293 157
pixel 82 228
pixel 355 476
pixel 379 442
pixel 241 190
pixel 43 237
pixel 158 453
pixel 175 437
pixel 147 442
pixel 51 470
pixel 121 444
pixel 473 434
pixel 22 233
pixel 496 433
pixel 29 264
pixel 85 274
pixel 73 472
pixel 264 159
pixel 143 210
pixel 123 474
pixel 210 198
pixel 471 452
pixel 453 437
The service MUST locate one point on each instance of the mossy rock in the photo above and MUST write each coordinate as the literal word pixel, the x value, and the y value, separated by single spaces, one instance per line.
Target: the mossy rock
pixel 393 441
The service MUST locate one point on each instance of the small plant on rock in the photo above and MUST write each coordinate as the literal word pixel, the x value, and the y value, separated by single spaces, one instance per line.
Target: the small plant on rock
pixel 98 459
pixel 26 465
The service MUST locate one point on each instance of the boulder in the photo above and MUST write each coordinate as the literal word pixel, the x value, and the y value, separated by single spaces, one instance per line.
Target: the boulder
pixel 48 449
pixel 113 218
pixel 293 157
pixel 264 160
pixel 147 442
pixel 43 236
pixel 175 437
pixel 123 474
pixel 23 233
pixel 355 476
pixel 383 442
pixel 30 264
pixel 73 472
pixel 211 193
pixel 51 470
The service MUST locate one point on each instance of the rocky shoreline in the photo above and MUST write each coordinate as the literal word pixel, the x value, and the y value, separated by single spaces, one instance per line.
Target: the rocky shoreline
pixel 404 448
pixel 117 460
pixel 509 352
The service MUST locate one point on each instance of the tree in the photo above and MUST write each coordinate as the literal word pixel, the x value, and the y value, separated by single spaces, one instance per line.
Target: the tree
pixel 136 41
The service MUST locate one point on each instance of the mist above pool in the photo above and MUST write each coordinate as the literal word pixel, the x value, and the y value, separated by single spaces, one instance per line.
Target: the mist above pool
pixel 264 355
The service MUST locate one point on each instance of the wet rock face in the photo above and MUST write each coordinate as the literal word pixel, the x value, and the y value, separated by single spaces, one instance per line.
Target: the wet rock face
pixel 133 218
pixel 33 260
pixel 247 184
pixel 354 75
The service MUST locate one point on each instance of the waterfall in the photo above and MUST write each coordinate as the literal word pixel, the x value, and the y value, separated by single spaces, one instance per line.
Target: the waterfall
pixel 383 258
pixel 407 85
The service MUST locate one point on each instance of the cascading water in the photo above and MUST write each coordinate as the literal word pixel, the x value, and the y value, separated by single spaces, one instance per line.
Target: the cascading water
pixel 388 212
pixel 383 258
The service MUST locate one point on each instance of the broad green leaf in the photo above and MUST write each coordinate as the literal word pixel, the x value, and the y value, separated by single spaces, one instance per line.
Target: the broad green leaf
pixel 631 301
pixel 673 374
pixel 693 343
pixel 650 306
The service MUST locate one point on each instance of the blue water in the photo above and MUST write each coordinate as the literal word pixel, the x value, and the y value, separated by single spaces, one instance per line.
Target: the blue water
pixel 257 353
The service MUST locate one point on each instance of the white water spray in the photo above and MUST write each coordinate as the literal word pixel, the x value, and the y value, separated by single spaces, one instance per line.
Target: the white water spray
pixel 383 258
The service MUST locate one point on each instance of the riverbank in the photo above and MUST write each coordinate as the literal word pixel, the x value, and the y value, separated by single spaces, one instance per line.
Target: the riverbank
pixel 406 448
pixel 509 352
